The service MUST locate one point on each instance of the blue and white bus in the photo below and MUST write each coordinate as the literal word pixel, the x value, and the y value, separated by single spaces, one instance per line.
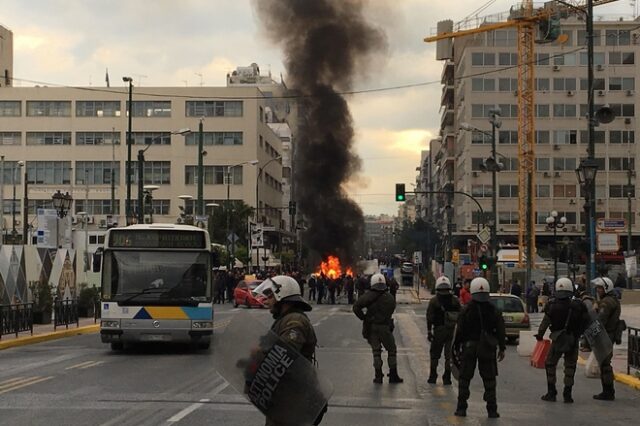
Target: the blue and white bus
pixel 156 285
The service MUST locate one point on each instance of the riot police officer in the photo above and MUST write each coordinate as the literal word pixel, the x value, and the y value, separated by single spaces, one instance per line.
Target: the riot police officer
pixel 442 315
pixel 567 318
pixel 377 326
pixel 288 307
pixel 609 315
pixel 480 332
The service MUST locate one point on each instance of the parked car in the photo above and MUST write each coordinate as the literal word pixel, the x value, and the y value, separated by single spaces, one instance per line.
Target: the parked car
pixel 243 295
pixel 406 268
pixel 514 314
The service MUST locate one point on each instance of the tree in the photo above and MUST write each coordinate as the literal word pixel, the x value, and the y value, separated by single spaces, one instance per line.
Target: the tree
pixel 239 213
pixel 420 236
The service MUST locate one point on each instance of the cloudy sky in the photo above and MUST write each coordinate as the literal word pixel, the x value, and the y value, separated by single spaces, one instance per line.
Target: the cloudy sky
pixel 177 43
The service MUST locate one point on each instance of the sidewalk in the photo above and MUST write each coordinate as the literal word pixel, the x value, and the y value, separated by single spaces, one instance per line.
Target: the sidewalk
pixel 45 332
pixel 631 314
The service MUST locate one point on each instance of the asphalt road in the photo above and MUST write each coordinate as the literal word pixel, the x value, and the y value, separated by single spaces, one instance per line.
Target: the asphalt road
pixel 79 381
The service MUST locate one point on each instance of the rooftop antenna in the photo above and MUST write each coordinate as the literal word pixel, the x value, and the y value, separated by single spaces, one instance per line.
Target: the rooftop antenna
pixel 200 75
pixel 140 77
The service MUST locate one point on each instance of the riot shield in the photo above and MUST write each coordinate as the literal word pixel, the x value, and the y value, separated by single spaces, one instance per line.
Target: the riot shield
pixel 273 376
pixel 599 340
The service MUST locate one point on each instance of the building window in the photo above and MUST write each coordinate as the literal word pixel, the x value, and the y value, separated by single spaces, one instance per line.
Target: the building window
pixel 507 84
pixel 10 108
pixel 566 59
pixel 582 37
pixel 483 85
pixel 478 137
pixel 599 136
pixel 622 191
pixel 34 205
pixel 598 84
pixel 621 163
pixel 510 164
pixel 10 173
pixel 507 59
pixel 508 218
pixel 564 110
pixel 564 191
pixel 476 164
pixel 97 138
pixel 48 108
pixel 481 191
pixel 564 164
pixel 214 108
pixel 49 172
pixel 10 138
pixel 543 164
pixel 562 84
pixel 48 138
pixel 621 136
pixel 97 172
pixel 599 58
pixel 623 110
pixel 542 110
pixel 151 138
pixel 97 207
pixel 216 138
pixel 543 191
pixel 617 38
pixel 623 215
pixel 622 83
pixel 622 58
pixel 160 207
pixel 508 191
pixel 8 207
pixel 213 175
pixel 543 137
pixel 151 109
pixel 542 84
pixel 155 172
pixel 502 38
pixel 508 137
pixel 542 59
pixel 481 59
pixel 565 137
pixel 97 108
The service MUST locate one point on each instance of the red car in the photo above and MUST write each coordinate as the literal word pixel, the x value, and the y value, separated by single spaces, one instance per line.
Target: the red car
pixel 242 295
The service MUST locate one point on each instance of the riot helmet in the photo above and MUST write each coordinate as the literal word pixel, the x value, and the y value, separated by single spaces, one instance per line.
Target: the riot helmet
pixel 378 282
pixel 479 289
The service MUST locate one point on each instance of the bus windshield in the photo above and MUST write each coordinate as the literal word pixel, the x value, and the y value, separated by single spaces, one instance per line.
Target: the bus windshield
pixel 153 277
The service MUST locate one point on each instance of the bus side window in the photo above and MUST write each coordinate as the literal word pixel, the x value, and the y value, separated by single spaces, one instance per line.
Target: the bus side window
pixel 97 260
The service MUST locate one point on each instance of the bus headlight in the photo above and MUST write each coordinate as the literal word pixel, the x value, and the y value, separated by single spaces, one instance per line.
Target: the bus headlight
pixel 201 324
pixel 110 324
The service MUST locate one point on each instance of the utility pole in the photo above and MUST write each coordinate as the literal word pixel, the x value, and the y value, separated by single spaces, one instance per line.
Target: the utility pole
pixel 495 121
pixel 25 210
pixel 201 168
pixel 129 142
pixel 629 213
pixel 113 174
pixel 591 148
pixel 1 199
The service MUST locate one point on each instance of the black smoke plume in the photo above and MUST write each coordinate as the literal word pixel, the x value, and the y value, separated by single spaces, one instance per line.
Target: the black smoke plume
pixel 326 44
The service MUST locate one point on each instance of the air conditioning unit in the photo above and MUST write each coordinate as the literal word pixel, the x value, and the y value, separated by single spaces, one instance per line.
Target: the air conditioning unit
pixel 570 93
pixel 556 68
pixel 557 174
pixel 179 221
pixel 600 201
pixel 74 220
pixel 630 92
pixel 103 224
pixel 515 93
pixel 600 67
pixel 556 147
pixel 91 220
pixel 600 92
pixel 627 120
pixel 475 174
pixel 546 174
pixel 572 201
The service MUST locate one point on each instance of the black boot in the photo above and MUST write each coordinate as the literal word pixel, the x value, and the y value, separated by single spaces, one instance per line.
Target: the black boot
pixel 551 393
pixel 608 394
pixel 433 374
pixel 566 394
pixel 492 410
pixel 446 377
pixel 461 409
pixel 378 376
pixel 393 376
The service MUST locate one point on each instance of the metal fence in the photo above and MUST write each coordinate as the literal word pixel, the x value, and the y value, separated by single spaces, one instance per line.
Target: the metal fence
pixel 65 313
pixel 16 318
pixel 633 349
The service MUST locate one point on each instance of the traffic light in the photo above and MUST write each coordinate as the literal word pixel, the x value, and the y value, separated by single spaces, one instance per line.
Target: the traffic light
pixel 292 208
pixel 400 192
pixel 483 262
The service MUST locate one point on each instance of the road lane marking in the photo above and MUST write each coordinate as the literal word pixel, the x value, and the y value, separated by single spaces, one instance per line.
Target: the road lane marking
pixel 92 364
pixel 13 381
pixel 79 365
pixel 193 407
pixel 27 382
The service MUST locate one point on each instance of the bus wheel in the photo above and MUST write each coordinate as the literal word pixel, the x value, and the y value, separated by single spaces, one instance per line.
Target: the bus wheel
pixel 117 346
pixel 204 345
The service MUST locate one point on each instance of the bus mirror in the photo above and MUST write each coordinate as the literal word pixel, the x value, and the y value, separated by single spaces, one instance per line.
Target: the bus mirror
pixel 97 260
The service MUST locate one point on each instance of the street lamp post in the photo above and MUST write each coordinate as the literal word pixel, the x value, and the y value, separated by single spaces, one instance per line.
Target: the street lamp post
pixel 630 194
pixel 148 199
pixel 554 223
pixel 14 232
pixel 260 170
pixel 586 174
pixel 185 198
pixel 210 219
pixel 129 142
pixel 140 212
pixel 62 204
pixel 201 154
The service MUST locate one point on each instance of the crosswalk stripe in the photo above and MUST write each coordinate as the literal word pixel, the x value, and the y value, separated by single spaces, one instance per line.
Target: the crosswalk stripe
pixel 28 382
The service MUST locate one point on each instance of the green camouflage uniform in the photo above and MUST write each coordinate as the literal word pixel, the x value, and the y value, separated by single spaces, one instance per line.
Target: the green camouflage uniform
pixel 379 306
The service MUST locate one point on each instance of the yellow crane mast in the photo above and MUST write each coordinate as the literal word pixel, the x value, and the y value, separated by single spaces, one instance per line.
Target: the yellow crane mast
pixel 525 19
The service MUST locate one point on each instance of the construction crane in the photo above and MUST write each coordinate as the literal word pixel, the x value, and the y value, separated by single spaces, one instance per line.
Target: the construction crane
pixel 525 19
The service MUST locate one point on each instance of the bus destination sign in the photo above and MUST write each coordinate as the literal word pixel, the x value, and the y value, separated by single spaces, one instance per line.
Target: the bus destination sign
pixel 162 239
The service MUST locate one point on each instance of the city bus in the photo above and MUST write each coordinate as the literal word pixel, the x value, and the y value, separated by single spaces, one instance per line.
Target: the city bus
pixel 156 285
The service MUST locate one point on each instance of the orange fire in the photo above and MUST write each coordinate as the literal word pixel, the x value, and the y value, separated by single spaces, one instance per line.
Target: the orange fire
pixel 332 268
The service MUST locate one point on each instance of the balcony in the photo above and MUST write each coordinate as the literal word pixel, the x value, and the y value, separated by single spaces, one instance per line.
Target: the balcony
pixel 448 73
pixel 447 118
pixel 447 96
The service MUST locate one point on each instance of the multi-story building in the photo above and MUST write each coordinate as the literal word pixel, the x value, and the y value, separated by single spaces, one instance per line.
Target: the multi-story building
pixel 71 139
pixel 6 57
pixel 480 73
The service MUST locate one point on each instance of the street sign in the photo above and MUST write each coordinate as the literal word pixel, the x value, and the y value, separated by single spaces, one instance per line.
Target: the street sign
pixel 232 237
pixel 455 256
pixel 612 223
pixel 268 228
pixel 484 235
pixel 630 263
pixel 257 239
pixel 417 257
pixel 608 241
